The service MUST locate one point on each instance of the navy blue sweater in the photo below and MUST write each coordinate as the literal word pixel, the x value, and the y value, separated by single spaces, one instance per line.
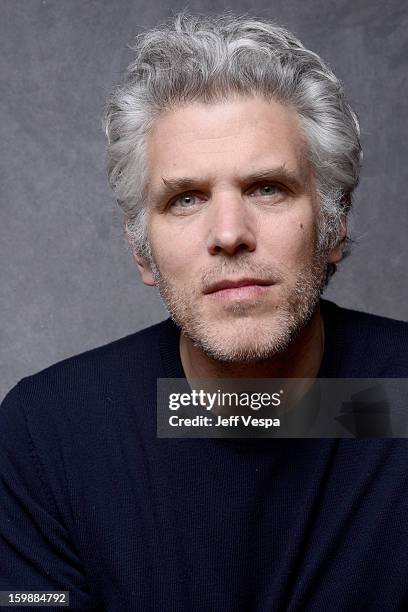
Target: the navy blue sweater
pixel 94 504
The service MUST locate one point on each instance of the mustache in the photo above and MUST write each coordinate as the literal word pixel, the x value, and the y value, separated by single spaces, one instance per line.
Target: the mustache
pixel 227 270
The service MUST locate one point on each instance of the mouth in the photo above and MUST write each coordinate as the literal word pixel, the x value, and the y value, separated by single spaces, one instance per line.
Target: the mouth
pixel 243 288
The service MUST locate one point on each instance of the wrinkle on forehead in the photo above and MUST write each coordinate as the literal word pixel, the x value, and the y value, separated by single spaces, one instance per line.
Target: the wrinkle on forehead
pixel 233 136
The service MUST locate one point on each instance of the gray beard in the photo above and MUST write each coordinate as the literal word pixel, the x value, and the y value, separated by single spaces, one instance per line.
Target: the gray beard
pixel 291 317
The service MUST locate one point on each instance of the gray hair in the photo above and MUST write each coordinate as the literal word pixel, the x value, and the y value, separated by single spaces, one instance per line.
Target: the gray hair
pixel 204 58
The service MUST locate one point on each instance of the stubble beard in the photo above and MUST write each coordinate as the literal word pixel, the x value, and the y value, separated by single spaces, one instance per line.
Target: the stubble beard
pixel 241 335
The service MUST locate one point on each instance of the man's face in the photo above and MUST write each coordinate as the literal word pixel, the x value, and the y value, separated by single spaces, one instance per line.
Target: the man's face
pixel 232 226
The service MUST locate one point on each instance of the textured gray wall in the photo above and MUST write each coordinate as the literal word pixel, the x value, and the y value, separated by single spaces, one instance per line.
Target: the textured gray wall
pixel 68 282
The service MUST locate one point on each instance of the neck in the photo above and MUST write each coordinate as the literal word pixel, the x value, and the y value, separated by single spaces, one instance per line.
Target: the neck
pixel 301 359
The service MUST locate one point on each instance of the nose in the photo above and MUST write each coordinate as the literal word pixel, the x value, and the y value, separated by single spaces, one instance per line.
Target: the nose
pixel 232 228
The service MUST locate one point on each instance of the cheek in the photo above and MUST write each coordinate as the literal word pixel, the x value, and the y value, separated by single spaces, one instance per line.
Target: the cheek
pixel 174 255
pixel 292 243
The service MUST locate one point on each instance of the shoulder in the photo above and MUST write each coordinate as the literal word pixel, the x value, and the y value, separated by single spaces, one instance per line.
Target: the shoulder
pixel 104 371
pixel 139 349
pixel 376 345
pixel 364 322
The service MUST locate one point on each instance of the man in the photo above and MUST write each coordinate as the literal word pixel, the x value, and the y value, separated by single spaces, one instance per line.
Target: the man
pixel 234 156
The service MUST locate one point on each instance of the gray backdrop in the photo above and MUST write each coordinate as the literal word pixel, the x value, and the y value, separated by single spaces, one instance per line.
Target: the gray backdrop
pixel 68 282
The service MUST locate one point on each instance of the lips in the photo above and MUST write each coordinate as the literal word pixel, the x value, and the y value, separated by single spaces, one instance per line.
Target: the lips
pixel 227 284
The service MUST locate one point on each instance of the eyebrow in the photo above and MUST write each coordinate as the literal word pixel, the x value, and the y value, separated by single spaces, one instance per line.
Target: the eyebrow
pixel 281 174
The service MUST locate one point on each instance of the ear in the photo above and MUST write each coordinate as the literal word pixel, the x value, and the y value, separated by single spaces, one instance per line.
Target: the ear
pixel 336 254
pixel 145 270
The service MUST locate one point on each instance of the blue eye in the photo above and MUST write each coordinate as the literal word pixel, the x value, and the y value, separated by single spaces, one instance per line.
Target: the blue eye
pixel 267 189
pixel 186 201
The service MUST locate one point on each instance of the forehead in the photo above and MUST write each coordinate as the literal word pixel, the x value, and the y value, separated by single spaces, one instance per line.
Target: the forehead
pixel 220 140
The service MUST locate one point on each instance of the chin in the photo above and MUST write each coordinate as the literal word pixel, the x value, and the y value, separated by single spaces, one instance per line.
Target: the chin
pixel 246 340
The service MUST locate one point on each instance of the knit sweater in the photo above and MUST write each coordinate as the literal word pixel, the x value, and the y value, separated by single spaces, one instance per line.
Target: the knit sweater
pixel 93 503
